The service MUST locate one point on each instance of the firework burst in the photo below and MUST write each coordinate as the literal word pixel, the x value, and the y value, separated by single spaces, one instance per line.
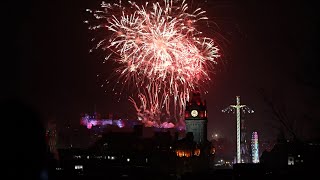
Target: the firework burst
pixel 159 50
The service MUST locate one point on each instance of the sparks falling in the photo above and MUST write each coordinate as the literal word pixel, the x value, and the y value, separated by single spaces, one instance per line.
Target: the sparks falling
pixel 159 51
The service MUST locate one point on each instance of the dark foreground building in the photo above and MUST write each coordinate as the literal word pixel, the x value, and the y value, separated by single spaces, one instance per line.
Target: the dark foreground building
pixel 292 159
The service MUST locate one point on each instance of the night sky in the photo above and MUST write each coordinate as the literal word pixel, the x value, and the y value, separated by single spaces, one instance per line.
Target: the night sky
pixel 270 46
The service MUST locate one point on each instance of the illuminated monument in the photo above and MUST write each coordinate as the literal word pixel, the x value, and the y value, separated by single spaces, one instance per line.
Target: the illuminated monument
pixel 196 118
pixel 242 147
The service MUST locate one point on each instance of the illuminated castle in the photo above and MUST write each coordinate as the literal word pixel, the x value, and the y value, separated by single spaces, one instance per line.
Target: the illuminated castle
pixel 96 120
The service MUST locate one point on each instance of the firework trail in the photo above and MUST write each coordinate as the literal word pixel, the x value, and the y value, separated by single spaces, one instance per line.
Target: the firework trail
pixel 160 52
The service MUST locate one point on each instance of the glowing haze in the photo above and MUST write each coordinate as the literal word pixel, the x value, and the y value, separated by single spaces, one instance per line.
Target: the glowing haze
pixel 160 52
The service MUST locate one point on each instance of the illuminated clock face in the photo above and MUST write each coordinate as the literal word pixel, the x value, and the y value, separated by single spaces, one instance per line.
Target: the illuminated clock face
pixel 194 113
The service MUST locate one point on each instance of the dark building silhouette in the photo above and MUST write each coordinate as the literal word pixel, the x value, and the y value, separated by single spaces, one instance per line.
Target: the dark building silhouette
pixel 292 158
pixel 127 153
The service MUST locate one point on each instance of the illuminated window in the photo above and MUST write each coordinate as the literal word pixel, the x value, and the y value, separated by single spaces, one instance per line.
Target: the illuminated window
pixel 187 153
pixel 213 150
pixel 183 153
pixel 78 167
pixel 197 152
pixel 76 157
pixel 179 153
pixel 290 161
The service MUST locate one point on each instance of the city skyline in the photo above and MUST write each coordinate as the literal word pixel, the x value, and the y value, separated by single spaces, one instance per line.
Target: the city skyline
pixel 265 49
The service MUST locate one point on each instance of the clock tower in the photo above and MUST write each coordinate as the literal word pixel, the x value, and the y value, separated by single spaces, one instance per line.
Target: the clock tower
pixel 196 118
